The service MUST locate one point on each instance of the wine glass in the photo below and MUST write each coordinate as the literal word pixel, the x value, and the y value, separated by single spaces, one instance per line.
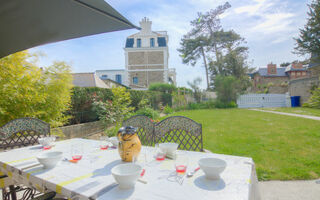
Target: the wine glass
pixel 181 162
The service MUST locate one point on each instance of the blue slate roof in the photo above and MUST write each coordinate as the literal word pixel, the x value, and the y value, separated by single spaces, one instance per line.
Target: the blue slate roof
pixel 264 72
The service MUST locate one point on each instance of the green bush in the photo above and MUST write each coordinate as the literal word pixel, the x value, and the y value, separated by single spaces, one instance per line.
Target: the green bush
pixel 167 110
pixel 211 105
pixel 149 112
pixel 314 100
pixel 162 87
pixel 220 104
pixel 153 97
pixel 226 88
pixel 82 98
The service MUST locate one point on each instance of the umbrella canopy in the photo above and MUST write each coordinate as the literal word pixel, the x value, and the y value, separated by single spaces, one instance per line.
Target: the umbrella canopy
pixel 26 24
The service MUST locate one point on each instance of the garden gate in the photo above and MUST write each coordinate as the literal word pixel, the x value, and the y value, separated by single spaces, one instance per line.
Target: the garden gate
pixel 263 100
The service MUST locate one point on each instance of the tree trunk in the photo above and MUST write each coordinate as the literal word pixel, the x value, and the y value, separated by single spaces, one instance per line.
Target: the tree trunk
pixel 205 66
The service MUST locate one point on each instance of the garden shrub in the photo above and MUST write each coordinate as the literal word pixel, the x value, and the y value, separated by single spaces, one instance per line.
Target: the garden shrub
pixel 82 98
pixel 211 104
pixel 167 110
pixel 162 87
pixel 149 112
pixel 113 112
pixel 314 100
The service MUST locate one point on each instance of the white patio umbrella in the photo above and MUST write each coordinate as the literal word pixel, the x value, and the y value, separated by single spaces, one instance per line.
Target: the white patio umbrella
pixel 29 23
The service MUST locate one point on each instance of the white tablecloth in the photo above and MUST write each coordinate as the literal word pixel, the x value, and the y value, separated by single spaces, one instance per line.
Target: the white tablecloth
pixel 90 176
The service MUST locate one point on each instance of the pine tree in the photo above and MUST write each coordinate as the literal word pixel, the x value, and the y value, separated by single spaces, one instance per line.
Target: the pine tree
pixel 309 38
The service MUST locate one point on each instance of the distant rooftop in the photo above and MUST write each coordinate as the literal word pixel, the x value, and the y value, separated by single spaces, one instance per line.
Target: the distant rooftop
pixel 264 72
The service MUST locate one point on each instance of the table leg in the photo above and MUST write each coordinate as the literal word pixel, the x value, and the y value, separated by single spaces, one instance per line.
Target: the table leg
pixel 13 192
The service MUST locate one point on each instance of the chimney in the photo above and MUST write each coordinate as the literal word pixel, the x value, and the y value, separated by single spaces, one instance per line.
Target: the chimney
pixel 272 68
pixel 145 25
pixel 297 65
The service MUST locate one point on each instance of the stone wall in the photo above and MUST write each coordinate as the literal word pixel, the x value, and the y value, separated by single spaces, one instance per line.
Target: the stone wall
pixel 302 87
pixel 144 57
pixel 81 130
pixel 280 84
pixel 315 71
pixel 146 78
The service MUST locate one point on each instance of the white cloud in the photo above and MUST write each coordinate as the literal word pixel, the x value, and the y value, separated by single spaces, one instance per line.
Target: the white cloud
pixel 275 23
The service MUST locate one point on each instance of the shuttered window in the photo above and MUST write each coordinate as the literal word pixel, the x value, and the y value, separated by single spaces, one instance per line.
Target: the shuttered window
pixel 162 42
pixel 129 43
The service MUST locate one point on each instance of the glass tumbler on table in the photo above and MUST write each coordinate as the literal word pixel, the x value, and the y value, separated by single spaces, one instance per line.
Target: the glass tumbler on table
pixel 104 143
pixel 181 162
pixel 76 151
pixel 158 153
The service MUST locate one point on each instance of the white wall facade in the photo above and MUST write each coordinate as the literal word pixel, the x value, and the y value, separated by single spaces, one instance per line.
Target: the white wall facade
pixel 111 74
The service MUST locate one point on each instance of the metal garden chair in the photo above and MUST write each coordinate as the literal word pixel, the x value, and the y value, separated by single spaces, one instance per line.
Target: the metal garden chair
pixel 17 133
pixel 182 130
pixel 145 128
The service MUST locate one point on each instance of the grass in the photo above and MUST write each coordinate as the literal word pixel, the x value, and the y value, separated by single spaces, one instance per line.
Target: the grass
pixel 283 147
pixel 298 110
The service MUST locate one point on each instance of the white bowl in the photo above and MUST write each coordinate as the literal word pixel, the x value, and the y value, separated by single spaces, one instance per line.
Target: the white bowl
pixel 212 167
pixel 49 159
pixel 126 175
pixel 46 141
pixel 168 148
pixel 114 141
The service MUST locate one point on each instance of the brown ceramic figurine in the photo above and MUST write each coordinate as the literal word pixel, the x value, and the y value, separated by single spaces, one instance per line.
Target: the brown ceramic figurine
pixel 129 143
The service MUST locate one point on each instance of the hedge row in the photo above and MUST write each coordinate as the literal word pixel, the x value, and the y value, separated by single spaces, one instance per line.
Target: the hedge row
pixel 82 98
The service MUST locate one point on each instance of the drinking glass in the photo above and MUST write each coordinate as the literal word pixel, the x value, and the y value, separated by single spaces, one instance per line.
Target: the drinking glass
pixel 181 162
pixel 104 143
pixel 76 151
pixel 158 153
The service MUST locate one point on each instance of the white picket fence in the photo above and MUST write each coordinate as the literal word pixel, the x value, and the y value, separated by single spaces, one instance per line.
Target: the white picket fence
pixel 263 100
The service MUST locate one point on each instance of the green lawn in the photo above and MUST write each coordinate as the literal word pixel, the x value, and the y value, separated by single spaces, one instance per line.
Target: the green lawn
pixel 299 110
pixel 283 147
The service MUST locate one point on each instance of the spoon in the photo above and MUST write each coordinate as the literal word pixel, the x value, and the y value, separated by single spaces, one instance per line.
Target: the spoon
pixel 190 174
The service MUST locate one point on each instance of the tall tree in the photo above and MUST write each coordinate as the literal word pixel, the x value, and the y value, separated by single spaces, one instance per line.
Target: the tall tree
pixel 308 41
pixel 29 91
pixel 192 50
pixel 232 56
pixel 201 40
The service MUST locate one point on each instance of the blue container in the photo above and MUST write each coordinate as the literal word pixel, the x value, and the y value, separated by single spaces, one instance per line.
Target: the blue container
pixel 295 101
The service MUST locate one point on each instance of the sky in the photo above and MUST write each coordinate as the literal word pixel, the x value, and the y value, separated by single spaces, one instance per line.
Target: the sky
pixel 268 27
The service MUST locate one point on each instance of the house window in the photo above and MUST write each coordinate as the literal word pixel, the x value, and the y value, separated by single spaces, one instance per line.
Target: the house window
pixel 135 80
pixel 104 77
pixel 151 42
pixel 162 42
pixel 118 78
pixel 129 42
pixel 139 42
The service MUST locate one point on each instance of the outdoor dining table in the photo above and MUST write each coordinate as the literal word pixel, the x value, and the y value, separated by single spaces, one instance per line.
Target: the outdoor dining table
pixel 91 177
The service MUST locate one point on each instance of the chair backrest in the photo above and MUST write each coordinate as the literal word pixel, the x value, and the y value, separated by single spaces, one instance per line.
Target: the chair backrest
pixel 145 128
pixel 182 130
pixel 22 132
